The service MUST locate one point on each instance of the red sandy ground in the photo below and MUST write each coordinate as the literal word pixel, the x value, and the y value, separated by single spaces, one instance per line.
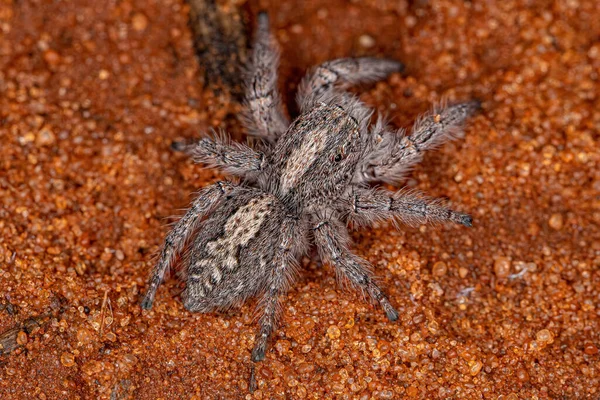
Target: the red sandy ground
pixel 94 92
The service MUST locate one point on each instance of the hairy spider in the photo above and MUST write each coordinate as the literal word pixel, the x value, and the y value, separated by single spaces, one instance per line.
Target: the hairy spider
pixel 302 185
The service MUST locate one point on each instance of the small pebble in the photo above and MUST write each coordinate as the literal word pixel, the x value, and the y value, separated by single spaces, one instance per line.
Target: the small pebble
pixel 523 375
pixel 45 137
pixel 412 391
pixel 439 269
pixel 475 367
pixel 333 332
pixel 67 359
pixel 502 267
pixel 84 336
pixel 139 22
pixel 21 338
pixel 52 58
pixel 103 74
pixel 305 368
pixel 282 346
pixel 366 41
pixel 297 29
pixel 127 362
pixel 590 349
pixel 544 336
pixel 556 222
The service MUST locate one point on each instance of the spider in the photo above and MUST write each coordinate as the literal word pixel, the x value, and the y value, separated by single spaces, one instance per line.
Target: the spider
pixel 302 185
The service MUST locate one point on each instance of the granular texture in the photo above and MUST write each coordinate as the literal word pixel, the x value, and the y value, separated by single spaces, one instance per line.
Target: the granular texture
pixel 94 93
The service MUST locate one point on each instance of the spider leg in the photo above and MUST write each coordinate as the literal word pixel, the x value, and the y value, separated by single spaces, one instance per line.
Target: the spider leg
pixel 394 153
pixel 331 238
pixel 264 114
pixel 177 238
pixel 365 206
pixel 232 157
pixel 280 277
pixel 342 73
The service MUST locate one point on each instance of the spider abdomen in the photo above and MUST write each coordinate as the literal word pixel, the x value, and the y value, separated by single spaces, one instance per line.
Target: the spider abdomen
pixel 230 259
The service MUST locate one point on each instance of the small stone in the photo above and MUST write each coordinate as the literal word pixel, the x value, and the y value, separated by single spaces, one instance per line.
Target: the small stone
pixel 337 388
pixel 590 349
pixel 475 367
pixel 502 267
pixel 45 137
pixel 103 74
pixel 439 269
pixel 412 391
pixel 366 41
pixel 297 29
pixel 385 394
pixel 433 327
pixel 556 221
pixel 27 138
pixel 84 336
pixel 67 359
pixel 21 338
pixel 282 346
pixel 384 347
pixel 306 348
pixel 127 362
pixel 305 368
pixel 415 337
pixel 522 375
pixel 92 367
pixel 463 272
pixel 333 332
pixel 544 336
pixel 139 22
pixel 80 268
pixel 52 58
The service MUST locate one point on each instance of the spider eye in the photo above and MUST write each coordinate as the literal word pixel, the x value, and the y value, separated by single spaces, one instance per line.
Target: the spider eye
pixel 341 154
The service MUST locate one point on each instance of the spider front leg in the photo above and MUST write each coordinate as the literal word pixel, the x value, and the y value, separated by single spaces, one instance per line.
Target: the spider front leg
pixel 280 277
pixel 264 112
pixel 342 73
pixel 394 153
pixel 331 238
pixel 365 206
pixel 232 157
pixel 178 237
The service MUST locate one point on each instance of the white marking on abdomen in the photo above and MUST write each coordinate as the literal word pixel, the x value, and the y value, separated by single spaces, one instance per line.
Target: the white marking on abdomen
pixel 240 228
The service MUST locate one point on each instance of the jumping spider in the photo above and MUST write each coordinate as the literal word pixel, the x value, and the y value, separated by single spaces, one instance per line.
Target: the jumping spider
pixel 304 183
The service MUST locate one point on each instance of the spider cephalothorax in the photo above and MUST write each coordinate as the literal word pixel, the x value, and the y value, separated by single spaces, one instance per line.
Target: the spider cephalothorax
pixel 302 186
